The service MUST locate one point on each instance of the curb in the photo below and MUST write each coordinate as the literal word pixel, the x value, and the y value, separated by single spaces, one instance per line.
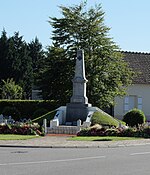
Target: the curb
pixel 86 146
pixel 52 146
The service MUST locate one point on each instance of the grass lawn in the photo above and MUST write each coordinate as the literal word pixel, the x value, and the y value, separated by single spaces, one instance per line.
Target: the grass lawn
pixel 16 137
pixel 103 138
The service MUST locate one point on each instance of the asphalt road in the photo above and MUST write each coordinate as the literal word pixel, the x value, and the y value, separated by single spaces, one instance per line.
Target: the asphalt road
pixel 133 160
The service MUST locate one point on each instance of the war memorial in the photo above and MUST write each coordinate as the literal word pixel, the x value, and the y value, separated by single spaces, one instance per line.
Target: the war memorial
pixel 78 112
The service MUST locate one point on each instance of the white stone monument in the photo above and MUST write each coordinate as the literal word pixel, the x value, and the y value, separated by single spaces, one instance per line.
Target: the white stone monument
pixel 78 106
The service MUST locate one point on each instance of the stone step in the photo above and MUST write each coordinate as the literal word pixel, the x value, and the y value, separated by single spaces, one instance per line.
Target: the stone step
pixel 63 130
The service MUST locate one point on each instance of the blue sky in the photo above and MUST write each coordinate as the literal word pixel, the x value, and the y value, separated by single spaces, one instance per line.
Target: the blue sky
pixel 129 20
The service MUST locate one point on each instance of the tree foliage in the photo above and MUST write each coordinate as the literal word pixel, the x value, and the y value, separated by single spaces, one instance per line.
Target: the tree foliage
pixel 55 78
pixel 10 90
pixel 21 61
pixel 37 54
pixel 5 63
pixel 15 61
pixel 78 28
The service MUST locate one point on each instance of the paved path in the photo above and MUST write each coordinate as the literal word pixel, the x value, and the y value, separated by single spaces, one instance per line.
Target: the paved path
pixel 53 141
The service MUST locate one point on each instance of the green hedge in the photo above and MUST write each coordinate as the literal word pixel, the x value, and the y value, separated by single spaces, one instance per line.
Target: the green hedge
pixel 28 107
pixel 49 116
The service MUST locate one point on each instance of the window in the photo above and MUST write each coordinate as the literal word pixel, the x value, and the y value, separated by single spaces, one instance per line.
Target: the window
pixel 140 103
pixel 126 104
pixel 131 102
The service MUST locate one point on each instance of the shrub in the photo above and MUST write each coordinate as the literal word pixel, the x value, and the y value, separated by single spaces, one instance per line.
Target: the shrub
pixel 95 130
pixel 10 90
pixel 134 117
pixel 84 132
pixel 130 132
pixel 112 132
pixel 145 132
pixel 11 111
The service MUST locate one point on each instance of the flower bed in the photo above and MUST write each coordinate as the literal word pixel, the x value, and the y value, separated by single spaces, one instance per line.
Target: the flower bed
pixel 21 128
pixel 97 130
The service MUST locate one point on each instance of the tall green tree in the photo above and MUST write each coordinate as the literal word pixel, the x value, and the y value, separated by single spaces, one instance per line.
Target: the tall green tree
pixel 78 28
pixel 5 63
pixel 55 77
pixel 16 62
pixel 37 54
pixel 21 69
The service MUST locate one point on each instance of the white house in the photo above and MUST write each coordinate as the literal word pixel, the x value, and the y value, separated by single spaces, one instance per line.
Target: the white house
pixel 138 94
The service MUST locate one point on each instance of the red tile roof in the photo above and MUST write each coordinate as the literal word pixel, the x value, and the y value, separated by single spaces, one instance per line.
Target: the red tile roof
pixel 139 62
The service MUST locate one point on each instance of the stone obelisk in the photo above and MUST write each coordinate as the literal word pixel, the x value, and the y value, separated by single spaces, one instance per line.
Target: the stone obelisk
pixel 78 106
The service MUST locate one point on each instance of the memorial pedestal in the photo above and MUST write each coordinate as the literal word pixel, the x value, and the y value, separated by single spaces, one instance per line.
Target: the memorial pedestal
pixel 76 111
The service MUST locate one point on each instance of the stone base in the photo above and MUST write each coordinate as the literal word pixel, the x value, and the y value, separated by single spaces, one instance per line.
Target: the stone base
pixel 63 130
pixel 76 111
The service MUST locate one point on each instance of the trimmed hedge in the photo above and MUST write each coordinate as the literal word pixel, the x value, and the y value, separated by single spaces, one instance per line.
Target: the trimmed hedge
pixel 134 117
pixel 49 116
pixel 28 107
pixel 39 112
pixel 11 111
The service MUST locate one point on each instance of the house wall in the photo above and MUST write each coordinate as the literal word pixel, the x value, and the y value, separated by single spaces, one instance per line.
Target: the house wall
pixel 137 90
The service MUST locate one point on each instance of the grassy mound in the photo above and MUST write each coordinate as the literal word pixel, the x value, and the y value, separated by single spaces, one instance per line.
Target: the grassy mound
pixel 104 119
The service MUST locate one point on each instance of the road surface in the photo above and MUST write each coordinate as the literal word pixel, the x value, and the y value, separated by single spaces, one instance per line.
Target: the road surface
pixel 133 160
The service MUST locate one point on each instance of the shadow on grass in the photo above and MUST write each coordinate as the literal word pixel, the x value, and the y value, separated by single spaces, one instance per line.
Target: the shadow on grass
pixel 103 140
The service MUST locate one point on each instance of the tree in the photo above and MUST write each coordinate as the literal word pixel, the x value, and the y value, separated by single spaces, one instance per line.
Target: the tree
pixel 55 77
pixel 15 61
pixel 37 54
pixel 108 75
pixel 4 61
pixel 10 90
pixel 21 69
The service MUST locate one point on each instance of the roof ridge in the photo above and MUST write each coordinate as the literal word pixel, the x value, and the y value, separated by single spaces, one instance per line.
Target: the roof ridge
pixel 133 52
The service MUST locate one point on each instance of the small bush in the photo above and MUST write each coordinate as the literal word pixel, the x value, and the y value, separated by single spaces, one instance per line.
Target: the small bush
pixel 112 132
pixel 84 132
pixel 134 117
pixel 96 130
pixel 11 111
